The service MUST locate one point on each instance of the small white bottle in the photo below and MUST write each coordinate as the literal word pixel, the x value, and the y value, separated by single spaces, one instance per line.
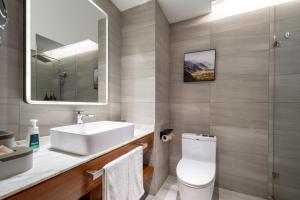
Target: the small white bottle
pixel 33 136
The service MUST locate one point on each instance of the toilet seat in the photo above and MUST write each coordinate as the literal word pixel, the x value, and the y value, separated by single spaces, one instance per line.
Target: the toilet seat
pixel 196 174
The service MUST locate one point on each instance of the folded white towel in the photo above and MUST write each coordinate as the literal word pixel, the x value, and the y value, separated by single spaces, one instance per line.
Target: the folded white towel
pixel 115 181
pixel 136 186
pixel 123 177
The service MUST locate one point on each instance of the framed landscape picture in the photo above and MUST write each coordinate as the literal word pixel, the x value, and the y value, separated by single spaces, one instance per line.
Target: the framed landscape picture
pixel 200 66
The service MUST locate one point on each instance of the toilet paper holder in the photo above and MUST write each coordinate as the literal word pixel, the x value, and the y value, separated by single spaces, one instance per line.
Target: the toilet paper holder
pixel 165 132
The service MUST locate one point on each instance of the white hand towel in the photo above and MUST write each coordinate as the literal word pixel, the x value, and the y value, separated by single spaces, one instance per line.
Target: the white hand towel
pixel 115 181
pixel 136 186
pixel 123 177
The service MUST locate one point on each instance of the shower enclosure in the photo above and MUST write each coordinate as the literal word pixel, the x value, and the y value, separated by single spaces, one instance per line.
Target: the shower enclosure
pixel 284 127
pixel 54 79
pixel 65 79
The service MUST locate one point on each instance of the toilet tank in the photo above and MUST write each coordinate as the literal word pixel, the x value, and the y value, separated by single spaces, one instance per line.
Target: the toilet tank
pixel 199 147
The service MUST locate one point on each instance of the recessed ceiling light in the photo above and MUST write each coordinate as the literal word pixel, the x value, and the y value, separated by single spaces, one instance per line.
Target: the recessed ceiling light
pixel 72 50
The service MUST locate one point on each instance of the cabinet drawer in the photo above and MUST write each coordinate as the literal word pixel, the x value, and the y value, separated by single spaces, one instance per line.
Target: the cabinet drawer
pixel 69 185
pixel 75 183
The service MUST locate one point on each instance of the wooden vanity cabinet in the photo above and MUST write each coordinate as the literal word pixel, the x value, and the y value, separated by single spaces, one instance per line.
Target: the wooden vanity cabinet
pixel 75 184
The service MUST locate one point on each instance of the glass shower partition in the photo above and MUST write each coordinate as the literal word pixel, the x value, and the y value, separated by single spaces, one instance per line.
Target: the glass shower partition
pixel 285 102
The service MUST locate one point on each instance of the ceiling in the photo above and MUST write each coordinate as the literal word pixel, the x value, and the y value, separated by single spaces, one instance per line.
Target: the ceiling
pixel 56 26
pixel 127 4
pixel 175 10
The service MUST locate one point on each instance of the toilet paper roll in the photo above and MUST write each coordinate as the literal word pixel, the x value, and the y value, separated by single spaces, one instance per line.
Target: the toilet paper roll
pixel 167 138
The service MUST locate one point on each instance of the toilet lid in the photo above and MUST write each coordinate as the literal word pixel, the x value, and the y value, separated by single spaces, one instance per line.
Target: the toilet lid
pixel 197 174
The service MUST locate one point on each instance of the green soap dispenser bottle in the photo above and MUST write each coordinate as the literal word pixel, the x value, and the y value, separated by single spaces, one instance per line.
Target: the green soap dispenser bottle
pixel 33 136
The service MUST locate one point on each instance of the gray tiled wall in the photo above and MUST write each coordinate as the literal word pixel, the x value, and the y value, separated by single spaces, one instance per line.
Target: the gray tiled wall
pixel 138 64
pixel 287 102
pixel 15 114
pixel 234 107
pixel 161 96
pixel 145 76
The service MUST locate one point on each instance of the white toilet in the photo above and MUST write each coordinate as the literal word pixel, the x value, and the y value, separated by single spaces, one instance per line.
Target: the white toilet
pixel 197 169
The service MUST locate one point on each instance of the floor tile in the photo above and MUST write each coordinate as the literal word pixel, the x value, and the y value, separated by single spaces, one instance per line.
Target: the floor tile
pixel 169 191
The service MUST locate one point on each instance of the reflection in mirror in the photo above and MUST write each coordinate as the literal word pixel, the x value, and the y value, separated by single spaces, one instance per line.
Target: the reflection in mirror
pixel 66 59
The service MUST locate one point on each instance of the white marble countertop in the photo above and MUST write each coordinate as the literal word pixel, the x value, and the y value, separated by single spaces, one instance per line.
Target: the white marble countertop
pixel 48 163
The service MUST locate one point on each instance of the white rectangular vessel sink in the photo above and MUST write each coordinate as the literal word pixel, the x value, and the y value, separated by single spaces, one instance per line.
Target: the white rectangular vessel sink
pixel 90 138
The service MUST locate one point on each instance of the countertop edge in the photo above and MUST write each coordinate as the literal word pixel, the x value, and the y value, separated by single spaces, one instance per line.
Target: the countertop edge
pixel 91 157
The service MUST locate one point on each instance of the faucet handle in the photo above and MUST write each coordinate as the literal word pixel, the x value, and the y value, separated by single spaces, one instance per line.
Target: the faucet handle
pixel 90 115
pixel 81 115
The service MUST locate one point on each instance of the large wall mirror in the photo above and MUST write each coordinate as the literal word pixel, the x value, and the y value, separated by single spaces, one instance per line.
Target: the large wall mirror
pixel 66 52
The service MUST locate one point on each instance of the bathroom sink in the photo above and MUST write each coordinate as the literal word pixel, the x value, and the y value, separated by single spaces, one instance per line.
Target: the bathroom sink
pixel 90 138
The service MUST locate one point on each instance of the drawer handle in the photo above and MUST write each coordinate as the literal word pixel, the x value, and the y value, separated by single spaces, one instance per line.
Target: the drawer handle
pixel 144 145
pixel 94 174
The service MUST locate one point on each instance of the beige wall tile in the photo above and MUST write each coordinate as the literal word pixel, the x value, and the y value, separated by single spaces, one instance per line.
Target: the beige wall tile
pixel 243 65
pixel 287 145
pixel 243 185
pixel 138 90
pixel 190 114
pixel 288 193
pixel 143 40
pixel 286 10
pixel 240 90
pixel 290 25
pixel 179 34
pixel 288 168
pixel 177 49
pixel 241 115
pixel 249 38
pixel 287 116
pixel 287 88
pixel 286 60
pixel 189 92
pixel 244 140
pixel 139 17
pixel 138 112
pixel 244 165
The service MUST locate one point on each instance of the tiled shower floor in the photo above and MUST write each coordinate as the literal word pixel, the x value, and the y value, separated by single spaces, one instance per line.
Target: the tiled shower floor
pixel 169 191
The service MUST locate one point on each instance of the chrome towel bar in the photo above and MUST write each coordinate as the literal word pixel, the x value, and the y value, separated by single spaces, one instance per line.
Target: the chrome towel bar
pixel 94 174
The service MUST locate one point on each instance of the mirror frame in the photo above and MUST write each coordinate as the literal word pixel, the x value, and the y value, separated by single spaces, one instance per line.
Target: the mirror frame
pixel 27 62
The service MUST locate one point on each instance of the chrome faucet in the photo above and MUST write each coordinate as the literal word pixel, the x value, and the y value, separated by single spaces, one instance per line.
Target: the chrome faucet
pixel 81 115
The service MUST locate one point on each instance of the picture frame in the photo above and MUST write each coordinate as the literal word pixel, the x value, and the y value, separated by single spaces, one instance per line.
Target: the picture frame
pixel 199 66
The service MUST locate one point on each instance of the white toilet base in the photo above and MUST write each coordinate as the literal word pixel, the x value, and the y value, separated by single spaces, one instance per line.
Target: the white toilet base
pixel 189 193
